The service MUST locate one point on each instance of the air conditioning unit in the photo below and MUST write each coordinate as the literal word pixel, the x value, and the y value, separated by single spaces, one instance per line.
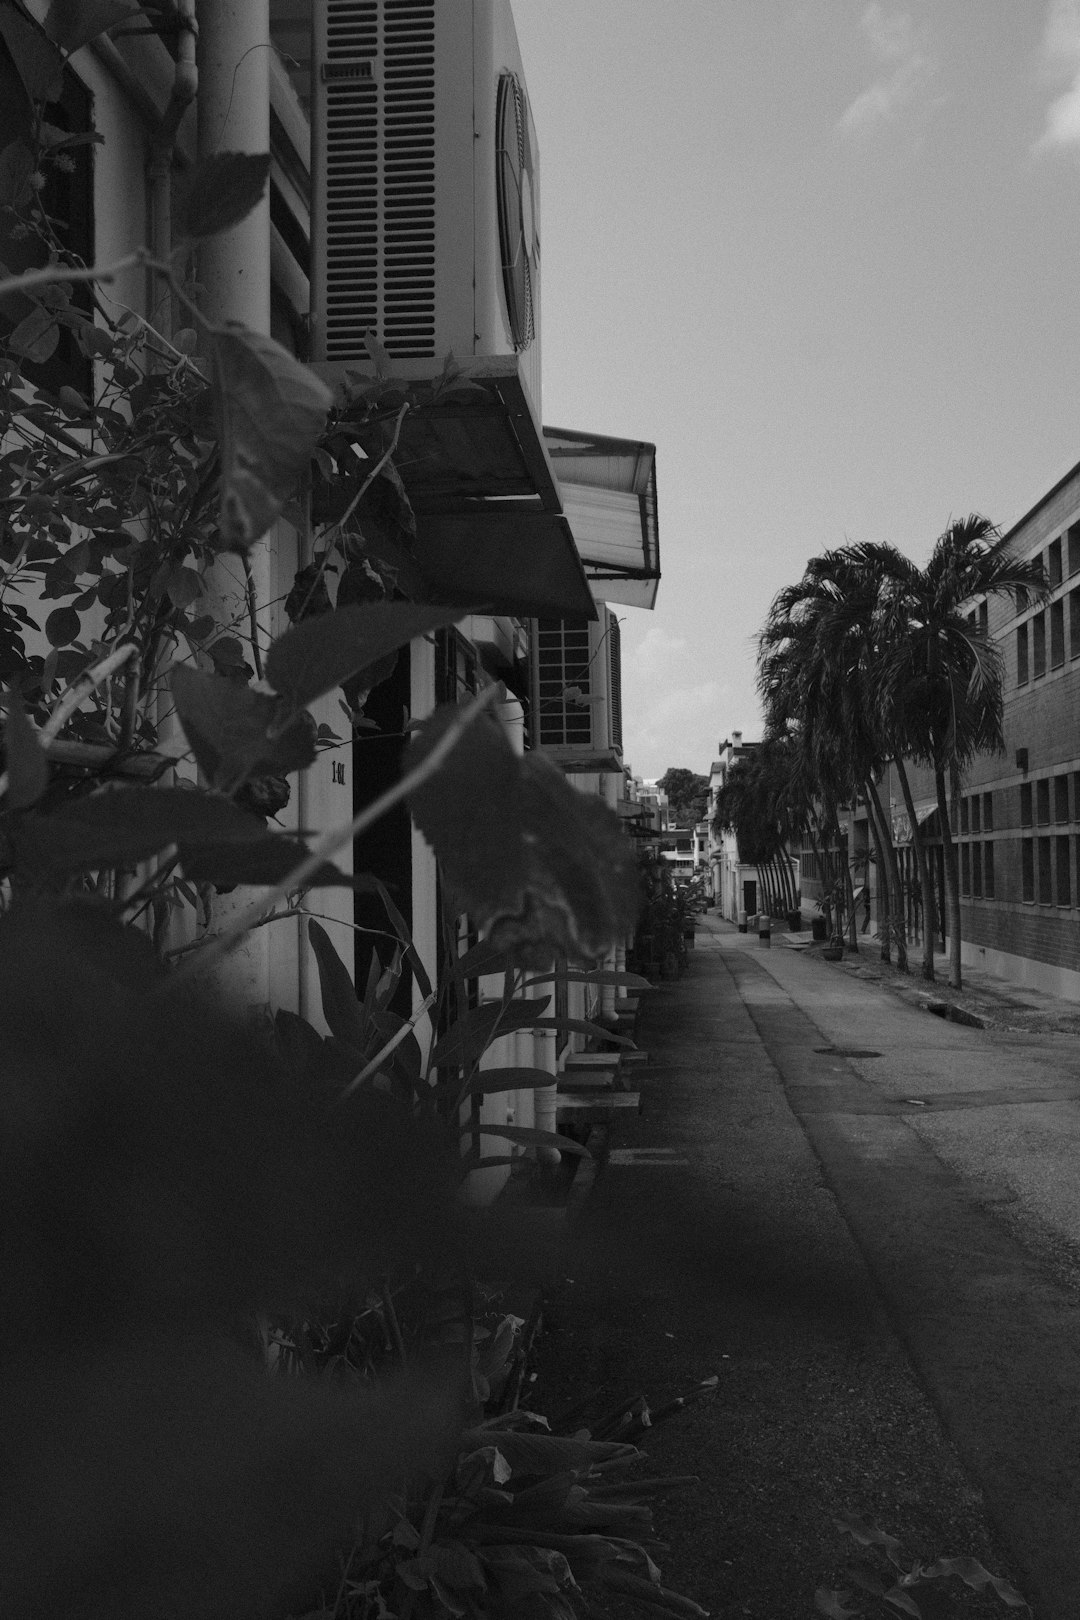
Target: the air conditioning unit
pixel 576 696
pixel 425 212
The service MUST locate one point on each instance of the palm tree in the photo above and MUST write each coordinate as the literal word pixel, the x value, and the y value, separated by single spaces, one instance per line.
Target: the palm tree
pixel 940 677
pixel 757 804
pixel 817 656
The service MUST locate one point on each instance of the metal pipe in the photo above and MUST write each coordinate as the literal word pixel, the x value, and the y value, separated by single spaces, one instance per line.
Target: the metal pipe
pixel 159 166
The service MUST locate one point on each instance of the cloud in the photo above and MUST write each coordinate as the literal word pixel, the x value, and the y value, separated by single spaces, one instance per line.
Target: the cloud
pixel 907 67
pixel 678 726
pixel 1061 56
pixel 652 658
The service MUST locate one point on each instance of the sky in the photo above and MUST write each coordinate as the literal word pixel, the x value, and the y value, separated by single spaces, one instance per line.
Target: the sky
pixel 825 254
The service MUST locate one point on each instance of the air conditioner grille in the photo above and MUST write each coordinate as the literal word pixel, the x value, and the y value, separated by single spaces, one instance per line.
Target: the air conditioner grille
pixel 563 686
pixel 380 177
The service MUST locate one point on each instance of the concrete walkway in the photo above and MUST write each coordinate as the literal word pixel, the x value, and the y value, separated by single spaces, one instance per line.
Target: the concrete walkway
pixel 865 1220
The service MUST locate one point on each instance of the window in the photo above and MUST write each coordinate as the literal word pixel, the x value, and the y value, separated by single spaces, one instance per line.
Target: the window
pixel 965 868
pixel 1025 804
pixel 67 198
pixel 455 667
pixel 1053 563
pixel 1057 633
pixel 1021 598
pixel 976 819
pixel 988 812
pixel 1022 648
pixel 963 815
pixel 1064 888
pixel 988 871
pixel 1042 802
pixel 1046 888
pixel 1027 867
pixel 1038 645
pixel 1061 798
pixel 976 871
pixel 984 618
pixel 1074 549
pixel 1074 623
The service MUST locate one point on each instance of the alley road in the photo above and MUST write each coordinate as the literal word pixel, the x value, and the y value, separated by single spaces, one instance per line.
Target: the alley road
pixel 866 1221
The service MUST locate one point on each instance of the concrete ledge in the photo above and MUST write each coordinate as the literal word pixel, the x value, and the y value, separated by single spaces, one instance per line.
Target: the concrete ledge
pixel 592 1107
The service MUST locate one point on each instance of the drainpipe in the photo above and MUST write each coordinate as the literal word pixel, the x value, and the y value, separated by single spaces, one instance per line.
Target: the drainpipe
pixel 234 116
pixel 159 165
pixel 234 274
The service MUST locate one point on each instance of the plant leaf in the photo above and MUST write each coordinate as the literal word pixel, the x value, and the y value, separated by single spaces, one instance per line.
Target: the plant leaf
pixel 545 1454
pixel 270 411
pixel 37 61
pixel 339 1004
pixel 526 1133
pixel 184 587
pixel 832 1604
pixel 62 627
pixel 490 1082
pixel 470 1036
pixel 899 1599
pixel 72 23
pixel 36 336
pixel 548 869
pixel 124 825
pixel 223 190
pixel 236 733
pixel 868 1535
pixel 261 862
pixel 27 768
pixel 318 654
pixel 974 1574
pixel 628 981
pixel 16 167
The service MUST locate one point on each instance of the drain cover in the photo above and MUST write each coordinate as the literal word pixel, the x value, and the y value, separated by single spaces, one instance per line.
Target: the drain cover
pixel 846 1051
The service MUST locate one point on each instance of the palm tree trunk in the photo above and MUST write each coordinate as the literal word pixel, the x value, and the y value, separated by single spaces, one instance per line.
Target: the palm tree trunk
pixel 884 909
pixel 896 887
pixel 848 886
pixel 925 883
pixel 952 879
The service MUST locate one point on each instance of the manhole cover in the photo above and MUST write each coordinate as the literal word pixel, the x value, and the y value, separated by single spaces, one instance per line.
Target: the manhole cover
pixel 846 1051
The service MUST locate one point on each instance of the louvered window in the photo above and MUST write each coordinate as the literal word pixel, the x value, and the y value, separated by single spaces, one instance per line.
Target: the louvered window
pixel 615 665
pixel 378 82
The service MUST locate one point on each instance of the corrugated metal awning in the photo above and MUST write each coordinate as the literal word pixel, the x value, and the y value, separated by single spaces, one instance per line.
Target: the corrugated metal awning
pixel 490 529
pixel 608 490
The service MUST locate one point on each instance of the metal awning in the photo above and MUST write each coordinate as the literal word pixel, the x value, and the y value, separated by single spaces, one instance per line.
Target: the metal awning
pixel 901 823
pixel 491 533
pixel 608 489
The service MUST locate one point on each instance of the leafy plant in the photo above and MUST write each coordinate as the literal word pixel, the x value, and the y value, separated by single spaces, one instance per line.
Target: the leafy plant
pixel 890 1575
pixel 169 1178
pixel 659 947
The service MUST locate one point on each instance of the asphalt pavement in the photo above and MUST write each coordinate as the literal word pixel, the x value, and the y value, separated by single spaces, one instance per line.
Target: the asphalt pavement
pixel 864 1220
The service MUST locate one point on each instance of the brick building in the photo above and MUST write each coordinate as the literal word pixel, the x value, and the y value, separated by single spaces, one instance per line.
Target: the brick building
pixel 1018 821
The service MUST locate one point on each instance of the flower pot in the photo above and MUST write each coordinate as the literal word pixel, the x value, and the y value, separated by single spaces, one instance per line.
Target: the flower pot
pixel 794 921
pixel 819 928
pixel 833 953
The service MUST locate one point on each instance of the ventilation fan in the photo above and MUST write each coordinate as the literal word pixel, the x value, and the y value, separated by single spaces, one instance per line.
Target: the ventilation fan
pixel 518 240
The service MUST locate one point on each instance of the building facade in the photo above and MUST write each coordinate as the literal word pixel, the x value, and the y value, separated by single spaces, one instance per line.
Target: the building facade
pixel 402 203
